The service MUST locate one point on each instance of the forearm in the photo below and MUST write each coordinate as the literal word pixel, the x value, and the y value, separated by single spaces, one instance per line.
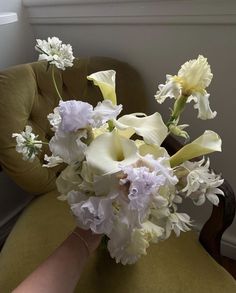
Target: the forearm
pixel 61 271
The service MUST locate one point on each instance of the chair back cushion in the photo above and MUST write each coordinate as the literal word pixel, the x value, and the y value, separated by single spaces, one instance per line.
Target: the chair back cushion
pixel 27 96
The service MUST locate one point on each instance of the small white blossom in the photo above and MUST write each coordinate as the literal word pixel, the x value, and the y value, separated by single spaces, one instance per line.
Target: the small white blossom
pixel 27 143
pixel 55 52
pixel 192 80
pixel 199 182
pixel 53 161
pixel 54 119
pixel 171 220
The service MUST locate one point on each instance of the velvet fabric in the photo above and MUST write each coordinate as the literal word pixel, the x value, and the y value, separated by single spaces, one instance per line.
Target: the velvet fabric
pixel 27 95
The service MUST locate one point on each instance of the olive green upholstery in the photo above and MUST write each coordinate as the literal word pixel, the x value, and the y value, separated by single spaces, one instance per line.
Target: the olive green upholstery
pixel 27 95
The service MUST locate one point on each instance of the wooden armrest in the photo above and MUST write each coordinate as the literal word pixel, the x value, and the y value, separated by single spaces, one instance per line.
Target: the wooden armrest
pixel 221 217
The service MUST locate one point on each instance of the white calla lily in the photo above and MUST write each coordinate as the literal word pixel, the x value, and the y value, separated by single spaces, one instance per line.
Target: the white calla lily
pixel 108 151
pixel 207 143
pixel 106 81
pixel 151 128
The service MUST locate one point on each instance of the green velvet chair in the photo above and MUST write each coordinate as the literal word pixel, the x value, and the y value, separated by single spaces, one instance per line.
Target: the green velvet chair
pixel 178 265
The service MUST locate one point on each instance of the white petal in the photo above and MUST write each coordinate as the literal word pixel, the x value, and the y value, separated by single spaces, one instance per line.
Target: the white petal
pixel 151 128
pixel 52 161
pixel 213 198
pixel 106 81
pixel 202 105
pixel 105 111
pixel 196 73
pixel 205 144
pixel 68 146
pixel 171 89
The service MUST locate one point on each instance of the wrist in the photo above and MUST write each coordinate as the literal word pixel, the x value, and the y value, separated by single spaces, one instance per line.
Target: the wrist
pixel 89 239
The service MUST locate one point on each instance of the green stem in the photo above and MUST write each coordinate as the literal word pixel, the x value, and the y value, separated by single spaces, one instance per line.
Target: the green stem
pixel 54 82
pixel 37 142
pixel 110 125
pixel 178 109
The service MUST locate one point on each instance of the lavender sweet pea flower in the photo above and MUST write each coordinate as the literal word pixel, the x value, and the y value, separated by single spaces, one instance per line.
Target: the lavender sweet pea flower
pixel 75 115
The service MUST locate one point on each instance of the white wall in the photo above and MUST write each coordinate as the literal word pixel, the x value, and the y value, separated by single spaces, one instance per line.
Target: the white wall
pixel 157 37
pixel 17 41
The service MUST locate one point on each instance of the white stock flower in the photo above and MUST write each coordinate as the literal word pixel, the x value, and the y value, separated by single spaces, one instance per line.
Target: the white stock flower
pixel 151 128
pixel 27 143
pixel 55 52
pixel 53 161
pixel 75 115
pixel 192 80
pixel 105 111
pixel 200 183
pixel 171 221
pixel 106 81
pixel 126 245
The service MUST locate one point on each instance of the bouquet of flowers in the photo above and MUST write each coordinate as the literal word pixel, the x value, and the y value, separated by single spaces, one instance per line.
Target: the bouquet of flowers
pixel 127 188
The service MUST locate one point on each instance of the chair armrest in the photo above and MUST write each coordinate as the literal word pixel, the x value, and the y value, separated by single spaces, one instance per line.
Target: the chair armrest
pixel 221 217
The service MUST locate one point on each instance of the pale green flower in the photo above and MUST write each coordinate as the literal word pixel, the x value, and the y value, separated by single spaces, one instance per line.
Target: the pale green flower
pixel 192 80
pixel 108 151
pixel 106 81
pixel 207 143
pixel 151 128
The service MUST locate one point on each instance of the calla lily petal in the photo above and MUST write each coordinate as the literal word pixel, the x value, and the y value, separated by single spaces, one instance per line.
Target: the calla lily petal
pixel 106 81
pixel 108 151
pixel 151 128
pixel 205 144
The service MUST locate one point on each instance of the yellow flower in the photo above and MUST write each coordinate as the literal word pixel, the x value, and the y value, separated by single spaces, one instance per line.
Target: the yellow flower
pixel 106 81
pixel 192 80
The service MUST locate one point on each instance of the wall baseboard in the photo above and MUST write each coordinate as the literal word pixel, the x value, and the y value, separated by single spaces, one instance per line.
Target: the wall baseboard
pixel 131 12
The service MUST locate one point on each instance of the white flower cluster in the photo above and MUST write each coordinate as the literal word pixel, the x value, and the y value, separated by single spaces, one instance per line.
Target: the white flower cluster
pixel 27 143
pixel 55 52
pixel 192 80
pixel 73 122
pixel 128 189
pixel 133 206
pixel 198 182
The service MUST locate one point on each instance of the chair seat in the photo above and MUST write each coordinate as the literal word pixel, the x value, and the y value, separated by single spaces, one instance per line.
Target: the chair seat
pixel 176 265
